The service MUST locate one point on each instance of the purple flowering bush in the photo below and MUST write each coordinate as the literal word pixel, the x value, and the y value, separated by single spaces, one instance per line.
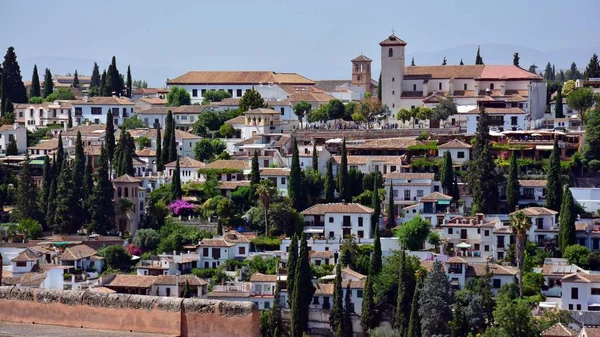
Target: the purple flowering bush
pixel 180 207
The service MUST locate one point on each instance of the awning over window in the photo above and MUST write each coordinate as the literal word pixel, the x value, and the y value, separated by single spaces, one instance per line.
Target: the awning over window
pixel 444 202
pixel 313 230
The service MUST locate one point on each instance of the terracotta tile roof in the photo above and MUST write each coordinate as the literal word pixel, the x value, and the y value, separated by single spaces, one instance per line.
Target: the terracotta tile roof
pixel 262 111
pixel 215 243
pixel 237 120
pixel 320 209
pixel 582 278
pixel 173 279
pixel 238 77
pixel 354 284
pixel 258 277
pixel 456 259
pixel 455 144
pixel 189 109
pixel 321 254
pixel 236 237
pixel 186 162
pixel 151 133
pixel 444 72
pixel 559 330
pixel 353 273
pixel 230 102
pixel 92 130
pixel 464 93
pixel 330 85
pixel 77 253
pixel 227 294
pixel 589 332
pixel 26 255
pixel 10 280
pixel 323 289
pixel 560 269
pixel 409 176
pixel 478 270
pixel 154 100
pixel 534 211
pixel 364 160
pixel 515 98
pixel 147 152
pixel 275 171
pixel 232 185
pixel 361 57
pixel 104 101
pixel 32 279
pixel 435 196
pixel 51 144
pixel 102 290
pixel 233 164
pixel 581 226
pixel 493 72
pixel 498 111
pixel 532 183
pixel 126 178
pixel 310 96
pixel 392 40
pixel 400 143
pixel 131 281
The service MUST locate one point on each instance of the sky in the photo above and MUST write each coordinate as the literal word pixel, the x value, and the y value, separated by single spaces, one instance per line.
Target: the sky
pixel 314 38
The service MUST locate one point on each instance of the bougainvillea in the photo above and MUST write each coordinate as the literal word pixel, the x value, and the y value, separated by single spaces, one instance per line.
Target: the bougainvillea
pixel 133 250
pixel 180 207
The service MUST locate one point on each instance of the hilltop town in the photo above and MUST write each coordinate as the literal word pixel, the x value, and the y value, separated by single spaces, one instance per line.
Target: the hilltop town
pixel 426 200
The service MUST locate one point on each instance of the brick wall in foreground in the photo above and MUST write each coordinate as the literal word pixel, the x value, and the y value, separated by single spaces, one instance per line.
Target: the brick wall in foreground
pixel 122 312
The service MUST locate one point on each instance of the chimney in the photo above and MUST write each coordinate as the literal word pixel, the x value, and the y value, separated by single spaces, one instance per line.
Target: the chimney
pixel 479 217
pixel 15 126
pixel 488 92
pixel 517 207
pixel 65 126
pixel 85 98
pixel 502 89
pixel 472 222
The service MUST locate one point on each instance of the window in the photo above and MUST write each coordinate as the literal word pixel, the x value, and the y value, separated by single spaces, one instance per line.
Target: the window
pixel 216 253
pixel 487 232
pixel 578 306
pixel 21 264
pixel 390 52
pixel 414 87
pixel 496 283
pixel 440 86
pixel 315 300
pixel 460 154
pixel 406 194
pixel 487 248
pixel 359 293
pixel 96 111
pixel 202 92
pixel 395 193
pixel 330 219
pixel 476 247
pixel 238 92
pixel 360 222
pixel 282 180
pixel 346 221
pixel 393 92
pixel 449 231
pixel 595 291
pixel 242 250
pixel 267 305
pixel 419 193
pixel 492 86
pixel 282 111
pixel 230 92
pixel 595 244
pixel 204 251
pixel 574 293
pixel 570 306
pixel 361 234
pixel 465 86
pixel 513 120
pixel 168 291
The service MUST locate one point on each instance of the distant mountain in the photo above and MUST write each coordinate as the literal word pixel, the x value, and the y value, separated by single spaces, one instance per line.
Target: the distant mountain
pixel 503 54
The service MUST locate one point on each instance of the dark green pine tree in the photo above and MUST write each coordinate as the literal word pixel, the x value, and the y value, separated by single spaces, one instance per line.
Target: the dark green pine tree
pixel 412 62
pixel 48 83
pixel 593 68
pixel 114 82
pixel 60 156
pixel 329 183
pixel 461 62
pixel 368 316
pixel 391 215
pixel 46 182
pixel 35 90
pixel 291 267
pixel 482 171
pixel 79 196
pixel 566 223
pixel 117 159
pixel 13 89
pixel 104 87
pixel 295 180
pixel 251 100
pixel 26 197
pixel 343 189
pixel 375 266
pixel 348 311
pixel 455 190
pixel 88 187
pixel 103 212
pixel 12 149
pixel 558 109
pixel 553 180
pixel 51 204
pixel 255 170
pixel 79 162
pixel 380 86
pixel 176 192
pixel 414 323
pixel 172 143
pixel 167 138
pixel 64 217
pixel 126 154
pixel 337 309
pixel 70 120
pixel 95 79
pixel 276 324
pixel 400 320
pixel 516 59
pixel 109 137
pixel 315 158
pixel 513 189
pixel 159 164
pixel 435 302
pixel 447 174
pixel 478 58
pixel 75 80
pixel 129 82
pixel 303 291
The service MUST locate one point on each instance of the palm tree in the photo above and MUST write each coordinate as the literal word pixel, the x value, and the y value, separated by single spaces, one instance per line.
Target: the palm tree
pixel 266 190
pixel 520 224
pixel 124 207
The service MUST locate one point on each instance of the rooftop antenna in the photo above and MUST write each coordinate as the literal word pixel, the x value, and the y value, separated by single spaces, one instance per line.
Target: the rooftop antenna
pixel 393 31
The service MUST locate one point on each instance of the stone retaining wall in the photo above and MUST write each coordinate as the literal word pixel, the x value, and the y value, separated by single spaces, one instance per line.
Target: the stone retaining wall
pixel 122 312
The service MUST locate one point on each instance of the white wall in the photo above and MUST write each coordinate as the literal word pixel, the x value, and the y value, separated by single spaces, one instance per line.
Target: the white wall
pixel 454 154
pixel 19 133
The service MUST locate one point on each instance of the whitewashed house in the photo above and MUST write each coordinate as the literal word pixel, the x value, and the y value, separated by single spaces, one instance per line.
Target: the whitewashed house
pixel 409 188
pixel 459 151
pixel 188 169
pixel 36 116
pixel 581 292
pixel 16 132
pixel 338 220
pixel 544 224
pixel 472 235
pixel 94 109
pixel 214 252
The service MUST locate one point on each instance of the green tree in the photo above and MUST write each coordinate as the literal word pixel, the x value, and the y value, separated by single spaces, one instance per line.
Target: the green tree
pixel 291 267
pixel 553 180
pixel 348 311
pixel 251 100
pixel 178 96
pixel 35 90
pixel 312 186
pixel 173 143
pixel 444 109
pixel 215 96
pixel 12 149
pixel 318 115
pixel 295 179
pixel 435 302
pixel 335 109
pixel 266 191
pixel 227 131
pixel 133 122
pixel 60 94
pixel 447 174
pixel 48 83
pixel 166 156
pixel 593 68
pixel 516 59
pixel 26 196
pixel 208 149
pixel 109 137
pixel 329 183
pixel 70 121
pixel 301 109
pixel 113 84
pixel 12 89
pixel 129 82
pixel 303 292
pixel 60 156
pixel 577 254
pixel 255 170
pixel 46 182
pixel 461 63
pixel 75 80
pixel 520 224
pixel 79 189
pixel 414 322
pixel 581 99
pixel 337 309
pixel 558 109
pixel 104 90
pixel 413 233
pixel 391 214
pixel 115 257
pixel 95 79
pixel 276 320
pixel 512 317
pixel 31 229
pixel 548 73
pixel 176 192
pixel 513 189
pixel 64 218
pixel 368 315
pixel 566 223
pixel 591 147
pixel 342 182
pixel 315 158
pixel 158 156
pixel 400 319
pixel 478 58
pixel 482 171
pixel 51 204
pixel 380 85
pixel 102 214
pixel 573 73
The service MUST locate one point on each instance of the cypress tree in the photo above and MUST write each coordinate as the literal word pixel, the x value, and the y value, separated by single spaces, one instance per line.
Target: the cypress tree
pixel 64 217
pixel 70 120
pixel 435 302
pixel 512 187
pixel 375 266
pixel 79 197
pixel 12 149
pixel 60 155
pixel 482 171
pixel 558 109
pixel 566 223
pixel 255 171
pixel 88 187
pixel 376 205
pixel 348 310
pixel 447 174
pixel 367 315
pixel 303 291
pixel 35 90
pixel 412 62
pixel 109 137
pixel 337 310
pixel 400 320
pixel 414 323
pixel 159 164
pixel 478 59
pixel 516 59
pixel 103 212
pixel 315 158
pixel 48 84
pixel 291 267
pixel 455 190
pixel 117 158
pixel 172 143
pixel 379 87
pixel 51 204
pixel 13 89
pixel 26 197
pixel 461 62
pixel 276 320
pixel 295 180
pixel 129 81
pixel 79 161
pixel 167 138
pixel 553 180
pixel 104 88
pixel 343 175
pixel 391 216
pixel 124 155
pixel 75 80
pixel 329 183
pixel 46 182
pixel 176 183
pixel 95 79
